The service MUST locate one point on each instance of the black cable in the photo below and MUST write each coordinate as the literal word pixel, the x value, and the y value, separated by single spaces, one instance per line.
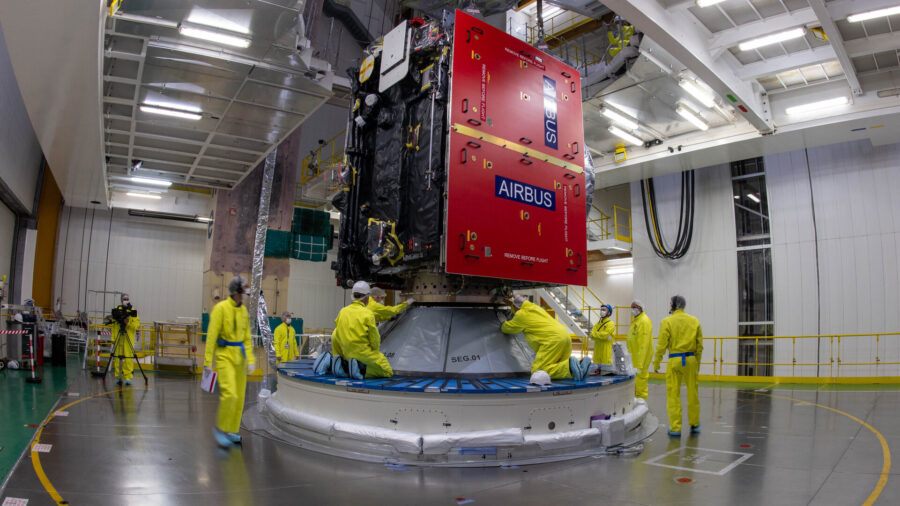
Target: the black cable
pixel 685 230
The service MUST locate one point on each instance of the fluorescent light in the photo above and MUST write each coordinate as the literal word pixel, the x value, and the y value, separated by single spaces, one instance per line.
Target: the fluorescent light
pixel 619 118
pixel 815 106
pixel 170 112
pixel 880 13
pixel 146 20
pixel 618 132
pixel 737 197
pixel 703 95
pixel 173 105
pixel 199 33
pixel 144 195
pixel 775 38
pixel 203 219
pixel 707 3
pixel 753 197
pixel 206 17
pixel 612 271
pixel 154 182
pixel 656 61
pixel 693 117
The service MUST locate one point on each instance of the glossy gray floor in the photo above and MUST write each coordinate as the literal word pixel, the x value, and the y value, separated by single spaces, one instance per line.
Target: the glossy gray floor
pixel 153 446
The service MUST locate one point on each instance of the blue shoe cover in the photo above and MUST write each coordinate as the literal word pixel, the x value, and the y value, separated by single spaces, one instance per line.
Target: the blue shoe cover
pixel 234 438
pixel 337 367
pixel 695 429
pixel 322 364
pixel 221 438
pixel 355 370
pixel 585 367
pixel 675 433
pixel 575 369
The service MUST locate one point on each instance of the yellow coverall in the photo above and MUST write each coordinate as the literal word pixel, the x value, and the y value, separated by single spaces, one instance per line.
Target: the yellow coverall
pixel 382 312
pixel 602 335
pixel 285 343
pixel 356 336
pixel 230 322
pixel 640 345
pixel 547 337
pixel 680 333
pixel 125 348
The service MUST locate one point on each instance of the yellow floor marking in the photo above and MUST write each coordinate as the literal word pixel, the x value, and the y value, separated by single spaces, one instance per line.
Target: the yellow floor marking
pixel 35 459
pixel 885 449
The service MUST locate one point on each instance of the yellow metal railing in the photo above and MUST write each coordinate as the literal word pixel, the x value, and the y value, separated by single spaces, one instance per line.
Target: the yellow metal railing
pixel 622 223
pixel 326 156
pixel 557 25
pixel 841 365
pixel 600 224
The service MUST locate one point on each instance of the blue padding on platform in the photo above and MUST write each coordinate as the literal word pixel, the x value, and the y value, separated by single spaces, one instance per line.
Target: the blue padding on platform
pixel 302 369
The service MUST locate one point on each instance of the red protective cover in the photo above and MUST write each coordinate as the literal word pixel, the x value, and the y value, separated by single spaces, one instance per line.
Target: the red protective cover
pixel 515 202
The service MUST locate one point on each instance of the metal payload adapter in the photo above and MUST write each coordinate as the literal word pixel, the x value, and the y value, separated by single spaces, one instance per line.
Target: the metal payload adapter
pixel 463 180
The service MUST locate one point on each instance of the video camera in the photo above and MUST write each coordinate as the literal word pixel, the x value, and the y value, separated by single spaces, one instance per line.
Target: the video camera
pixel 120 313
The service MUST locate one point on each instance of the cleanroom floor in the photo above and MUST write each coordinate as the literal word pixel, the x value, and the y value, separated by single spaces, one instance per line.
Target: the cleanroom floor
pixel 153 445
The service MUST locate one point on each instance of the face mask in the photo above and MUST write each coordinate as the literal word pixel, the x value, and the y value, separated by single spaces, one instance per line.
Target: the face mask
pixel 288 321
pixel 126 302
pixel 635 311
pixel 604 314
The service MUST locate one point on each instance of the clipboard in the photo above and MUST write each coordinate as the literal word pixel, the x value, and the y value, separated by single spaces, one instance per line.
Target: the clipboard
pixel 208 381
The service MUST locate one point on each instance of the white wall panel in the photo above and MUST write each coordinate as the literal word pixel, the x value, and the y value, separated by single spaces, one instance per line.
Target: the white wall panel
pixel 158 264
pixel 313 294
pixel 707 275
pixel 858 221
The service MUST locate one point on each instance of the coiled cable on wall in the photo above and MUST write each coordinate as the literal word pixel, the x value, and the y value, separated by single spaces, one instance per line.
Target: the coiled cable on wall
pixel 685 218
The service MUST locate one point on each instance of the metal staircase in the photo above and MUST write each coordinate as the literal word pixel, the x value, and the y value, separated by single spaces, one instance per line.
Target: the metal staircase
pixel 567 308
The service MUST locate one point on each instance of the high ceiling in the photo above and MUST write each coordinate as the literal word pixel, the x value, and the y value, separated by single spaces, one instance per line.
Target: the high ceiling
pixel 240 102
pixel 853 64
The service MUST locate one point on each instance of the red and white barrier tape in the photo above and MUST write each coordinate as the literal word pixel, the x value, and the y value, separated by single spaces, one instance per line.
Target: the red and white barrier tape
pixel 13 331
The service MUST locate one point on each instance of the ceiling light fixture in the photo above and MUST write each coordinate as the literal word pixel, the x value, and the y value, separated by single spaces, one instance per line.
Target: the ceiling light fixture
pixel 707 3
pixel 213 36
pixel 154 182
pixel 815 106
pixel 170 112
pixel 200 16
pixel 622 134
pixel 144 195
pixel 620 270
pixel 698 91
pixel 775 38
pixel 203 219
pixel 621 118
pixel 174 105
pixel 753 197
pixel 147 20
pixel 880 13
pixel 689 114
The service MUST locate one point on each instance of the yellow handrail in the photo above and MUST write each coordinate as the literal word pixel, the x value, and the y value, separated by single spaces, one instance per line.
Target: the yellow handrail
pixel 829 368
pixel 334 155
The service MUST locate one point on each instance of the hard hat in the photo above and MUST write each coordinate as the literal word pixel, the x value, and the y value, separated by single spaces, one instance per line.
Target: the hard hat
pixel 378 292
pixel 361 287
pixel 236 285
pixel 540 378
pixel 518 300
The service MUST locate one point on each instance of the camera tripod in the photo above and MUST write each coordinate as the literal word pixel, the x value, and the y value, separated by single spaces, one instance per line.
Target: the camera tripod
pixel 112 354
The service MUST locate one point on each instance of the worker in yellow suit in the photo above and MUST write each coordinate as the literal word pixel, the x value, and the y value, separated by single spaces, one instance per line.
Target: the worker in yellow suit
pixel 286 340
pixel 681 335
pixel 640 343
pixel 548 338
pixel 356 340
pixel 382 312
pixel 603 334
pixel 228 340
pixel 123 356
